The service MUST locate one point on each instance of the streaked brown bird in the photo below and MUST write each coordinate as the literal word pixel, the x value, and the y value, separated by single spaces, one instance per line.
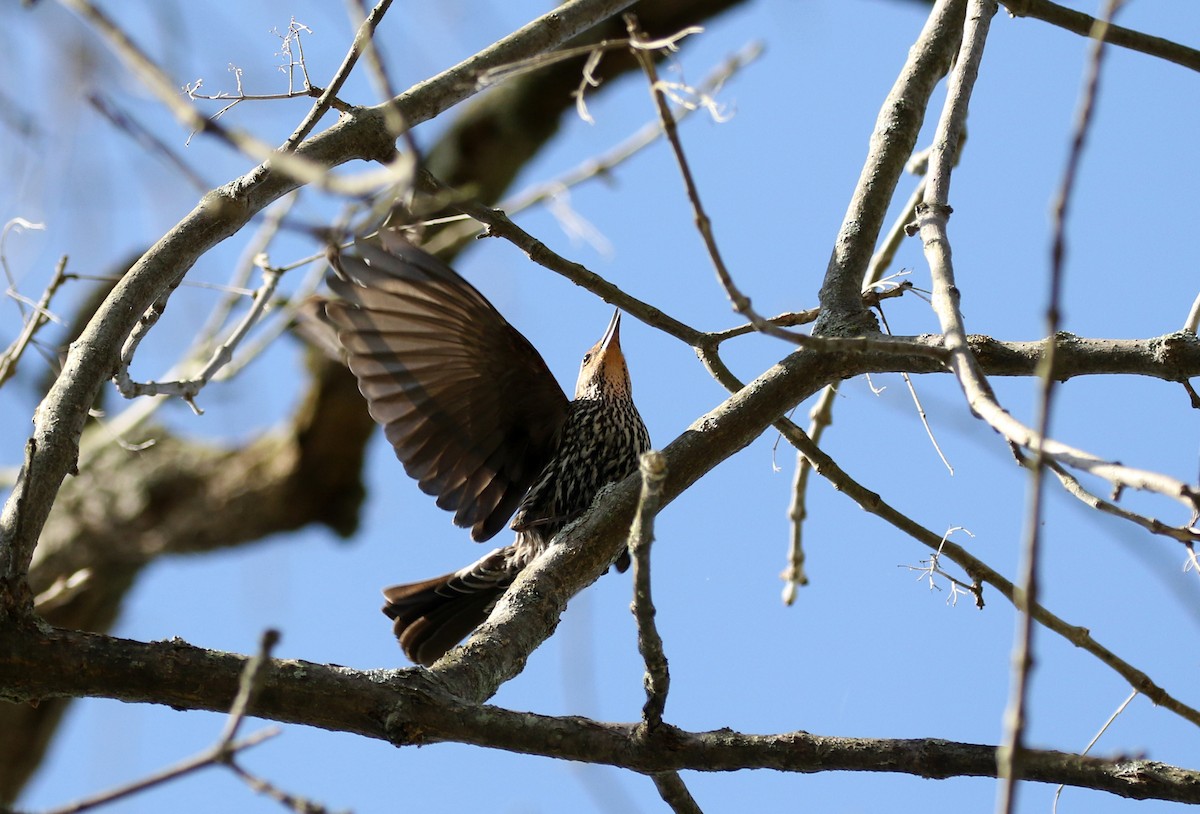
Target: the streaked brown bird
pixel 476 417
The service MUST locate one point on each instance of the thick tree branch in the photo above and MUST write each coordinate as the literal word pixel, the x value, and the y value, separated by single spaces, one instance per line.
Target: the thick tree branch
pixel 404 708
pixel 892 142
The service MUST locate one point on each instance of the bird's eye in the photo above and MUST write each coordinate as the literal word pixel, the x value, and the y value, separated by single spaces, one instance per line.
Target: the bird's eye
pixel 587 357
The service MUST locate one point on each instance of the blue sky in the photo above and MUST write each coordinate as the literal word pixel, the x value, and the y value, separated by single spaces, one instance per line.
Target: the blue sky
pixel 867 650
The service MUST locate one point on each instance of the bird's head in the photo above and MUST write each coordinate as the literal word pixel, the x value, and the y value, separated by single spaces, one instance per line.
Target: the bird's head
pixel 603 373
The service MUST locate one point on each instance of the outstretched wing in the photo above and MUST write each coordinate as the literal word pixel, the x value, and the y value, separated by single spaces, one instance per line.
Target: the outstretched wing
pixel 468 404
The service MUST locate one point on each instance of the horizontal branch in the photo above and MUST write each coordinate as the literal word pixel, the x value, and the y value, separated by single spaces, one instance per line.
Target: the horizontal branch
pixel 1172 357
pixel 404 708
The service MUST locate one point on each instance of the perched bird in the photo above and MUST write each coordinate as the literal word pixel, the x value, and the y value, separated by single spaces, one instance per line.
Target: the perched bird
pixel 479 421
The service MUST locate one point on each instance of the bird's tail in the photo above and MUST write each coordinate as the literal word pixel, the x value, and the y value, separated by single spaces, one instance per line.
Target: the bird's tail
pixel 433 615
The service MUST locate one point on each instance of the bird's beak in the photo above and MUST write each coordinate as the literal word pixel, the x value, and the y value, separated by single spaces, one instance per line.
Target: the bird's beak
pixel 612 336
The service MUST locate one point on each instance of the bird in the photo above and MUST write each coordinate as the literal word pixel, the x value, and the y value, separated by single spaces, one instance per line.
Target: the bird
pixel 478 420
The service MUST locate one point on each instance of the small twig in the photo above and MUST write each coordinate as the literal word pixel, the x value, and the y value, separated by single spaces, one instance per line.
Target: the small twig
pixel 675 794
pixel 1193 396
pixel 1193 561
pixel 1009 753
pixel 912 391
pixel 1116 714
pixel 1184 534
pixel 741 303
pixel 820 417
pixel 238 287
pixel 207 758
pixel 14 224
pixel 883 256
pixel 518 67
pixel 300 805
pixel 284 316
pixel 223 751
pixel 788 320
pixel 1192 323
pixel 295 60
pixel 249 684
pixel 653 467
pixel 932 569
pixel 871 298
pixel 188 389
pixel 657 680
pixel 1085 24
pixel 682 95
pixel 62 591
pixel 40 316
pixel 366 31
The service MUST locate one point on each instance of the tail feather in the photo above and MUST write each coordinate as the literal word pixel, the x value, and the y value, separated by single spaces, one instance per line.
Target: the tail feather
pixel 433 615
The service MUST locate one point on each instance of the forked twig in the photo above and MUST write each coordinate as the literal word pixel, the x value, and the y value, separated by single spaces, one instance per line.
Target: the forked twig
pixel 221 752
pixel 39 316
pixel 188 389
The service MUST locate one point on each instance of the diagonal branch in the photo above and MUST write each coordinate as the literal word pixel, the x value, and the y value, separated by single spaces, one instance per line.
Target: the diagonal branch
pixel 892 142
pixel 1085 24
pixel 932 218
pixel 979 571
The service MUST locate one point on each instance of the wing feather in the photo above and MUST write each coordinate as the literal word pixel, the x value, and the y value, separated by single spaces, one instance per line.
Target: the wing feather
pixel 466 401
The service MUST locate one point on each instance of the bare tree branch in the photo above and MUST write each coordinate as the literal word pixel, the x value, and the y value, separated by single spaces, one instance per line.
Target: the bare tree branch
pixel 38 317
pixel 409 709
pixel 1085 24
pixel 1015 719
pixel 658 678
pixel 892 142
